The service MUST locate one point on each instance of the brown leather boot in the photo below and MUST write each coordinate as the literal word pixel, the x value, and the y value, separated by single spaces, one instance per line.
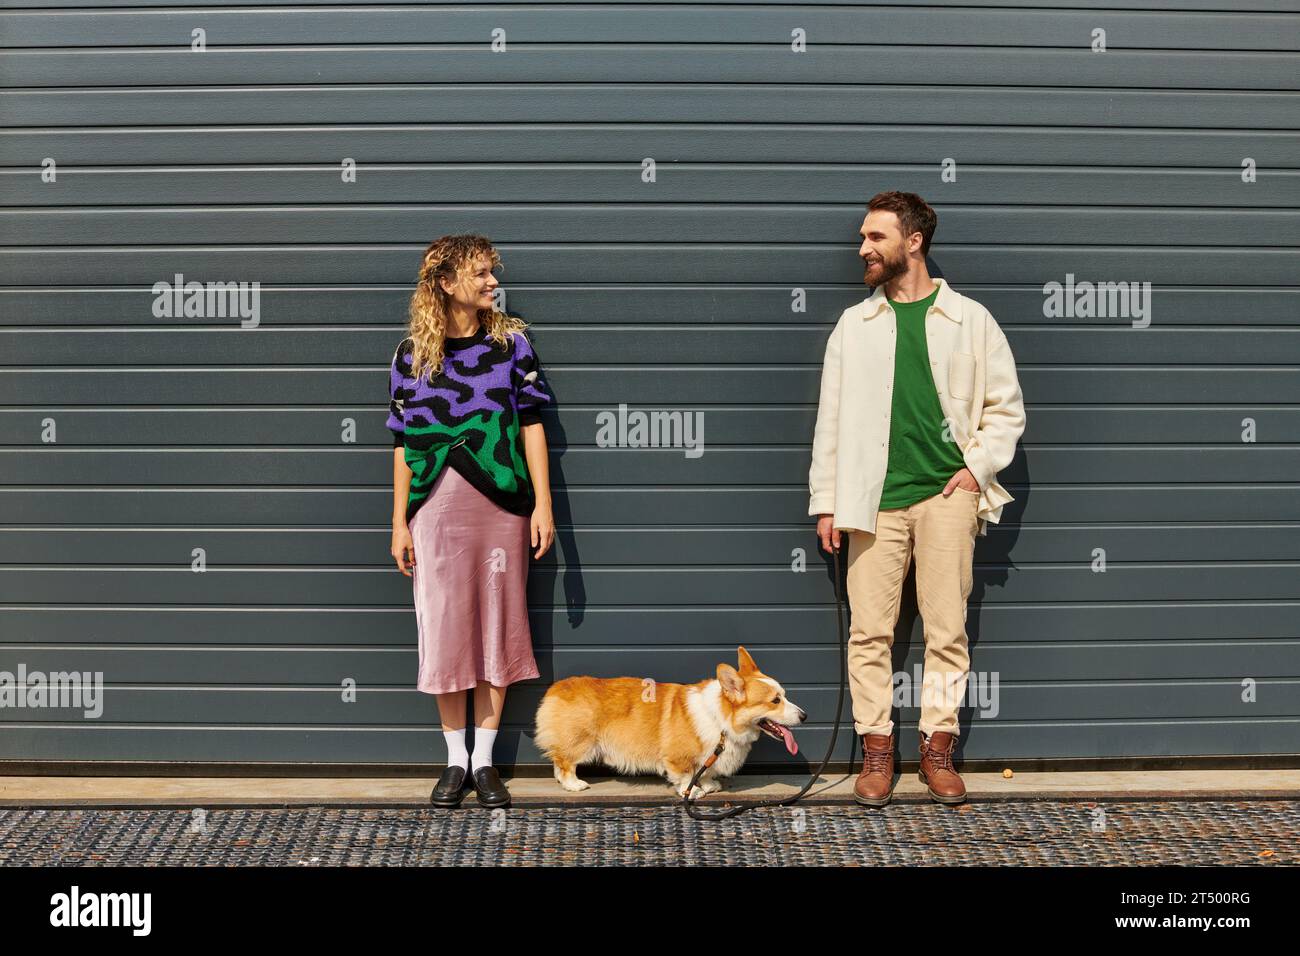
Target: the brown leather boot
pixel 875 783
pixel 936 768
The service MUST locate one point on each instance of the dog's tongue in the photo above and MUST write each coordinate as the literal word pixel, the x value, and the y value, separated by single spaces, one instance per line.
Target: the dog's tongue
pixel 788 737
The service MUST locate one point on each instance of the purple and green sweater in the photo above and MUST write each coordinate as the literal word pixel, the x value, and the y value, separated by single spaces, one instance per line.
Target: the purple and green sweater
pixel 469 417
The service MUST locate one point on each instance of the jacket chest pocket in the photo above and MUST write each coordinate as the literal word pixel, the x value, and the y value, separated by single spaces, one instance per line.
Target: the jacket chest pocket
pixel 961 375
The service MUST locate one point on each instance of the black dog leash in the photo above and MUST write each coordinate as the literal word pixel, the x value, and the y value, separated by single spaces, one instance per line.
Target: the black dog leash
pixel 721 813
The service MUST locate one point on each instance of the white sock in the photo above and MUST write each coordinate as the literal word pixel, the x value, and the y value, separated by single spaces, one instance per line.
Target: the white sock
pixel 457 755
pixel 483 740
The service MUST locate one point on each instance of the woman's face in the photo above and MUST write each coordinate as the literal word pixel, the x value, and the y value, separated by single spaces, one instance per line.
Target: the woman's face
pixel 474 286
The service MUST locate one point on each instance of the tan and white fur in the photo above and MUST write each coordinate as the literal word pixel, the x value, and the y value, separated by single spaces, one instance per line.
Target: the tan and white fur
pixel 640 726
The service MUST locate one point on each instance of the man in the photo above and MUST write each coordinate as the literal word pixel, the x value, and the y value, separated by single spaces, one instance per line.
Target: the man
pixel 920 409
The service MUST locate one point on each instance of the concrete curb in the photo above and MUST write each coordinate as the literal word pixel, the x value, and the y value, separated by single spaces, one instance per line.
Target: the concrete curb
pixel 47 791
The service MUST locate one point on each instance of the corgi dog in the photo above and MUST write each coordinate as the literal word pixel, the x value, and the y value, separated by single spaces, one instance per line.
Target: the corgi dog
pixel 640 726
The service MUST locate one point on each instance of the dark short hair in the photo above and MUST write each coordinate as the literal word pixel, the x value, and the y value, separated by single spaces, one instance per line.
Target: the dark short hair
pixel 914 214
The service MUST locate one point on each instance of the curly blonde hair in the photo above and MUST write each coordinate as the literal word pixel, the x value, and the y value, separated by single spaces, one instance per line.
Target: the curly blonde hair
pixel 449 257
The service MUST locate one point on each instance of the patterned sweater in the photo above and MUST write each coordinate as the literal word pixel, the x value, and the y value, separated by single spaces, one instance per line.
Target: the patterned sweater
pixel 468 417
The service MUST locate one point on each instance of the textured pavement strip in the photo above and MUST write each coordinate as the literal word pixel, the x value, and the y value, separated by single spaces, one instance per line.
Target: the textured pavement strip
pixel 1049 832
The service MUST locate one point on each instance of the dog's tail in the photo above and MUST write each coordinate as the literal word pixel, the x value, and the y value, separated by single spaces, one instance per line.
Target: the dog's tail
pixel 544 735
pixel 564 722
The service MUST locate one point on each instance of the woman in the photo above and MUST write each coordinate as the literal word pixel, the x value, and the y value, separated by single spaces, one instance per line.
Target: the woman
pixel 469 449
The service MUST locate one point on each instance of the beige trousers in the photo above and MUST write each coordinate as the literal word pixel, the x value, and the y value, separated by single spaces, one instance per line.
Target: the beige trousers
pixel 941 533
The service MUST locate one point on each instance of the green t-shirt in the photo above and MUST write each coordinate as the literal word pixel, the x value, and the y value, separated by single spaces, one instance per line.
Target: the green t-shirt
pixel 921 460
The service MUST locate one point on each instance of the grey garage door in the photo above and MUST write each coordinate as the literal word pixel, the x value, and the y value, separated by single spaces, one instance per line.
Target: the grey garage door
pixel 195 505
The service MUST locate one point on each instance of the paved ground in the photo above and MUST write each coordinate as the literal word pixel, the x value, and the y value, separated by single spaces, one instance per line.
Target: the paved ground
pixel 1093 819
pixel 1044 832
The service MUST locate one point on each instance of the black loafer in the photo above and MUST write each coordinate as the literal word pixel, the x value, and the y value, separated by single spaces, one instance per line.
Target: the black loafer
pixel 450 788
pixel 490 790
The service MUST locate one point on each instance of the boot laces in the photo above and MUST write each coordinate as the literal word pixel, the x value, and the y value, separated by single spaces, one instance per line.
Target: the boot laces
pixel 939 759
pixel 877 760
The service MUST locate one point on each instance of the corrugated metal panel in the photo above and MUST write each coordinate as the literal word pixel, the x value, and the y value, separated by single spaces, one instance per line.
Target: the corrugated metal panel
pixel 194 433
pixel 868 25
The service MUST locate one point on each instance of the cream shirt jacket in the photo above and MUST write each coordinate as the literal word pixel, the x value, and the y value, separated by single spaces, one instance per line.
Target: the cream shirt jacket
pixel 975 377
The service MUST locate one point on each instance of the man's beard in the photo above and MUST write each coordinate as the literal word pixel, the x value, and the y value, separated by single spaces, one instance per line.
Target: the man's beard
pixel 887 270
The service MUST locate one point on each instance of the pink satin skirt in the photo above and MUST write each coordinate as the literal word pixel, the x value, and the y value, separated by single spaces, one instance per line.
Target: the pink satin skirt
pixel 470 587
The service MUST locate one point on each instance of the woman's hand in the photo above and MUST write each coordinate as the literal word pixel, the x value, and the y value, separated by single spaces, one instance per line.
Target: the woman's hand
pixel 542 529
pixel 403 548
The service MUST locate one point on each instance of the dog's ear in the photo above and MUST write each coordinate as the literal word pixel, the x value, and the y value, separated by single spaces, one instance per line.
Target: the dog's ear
pixel 733 687
pixel 747 665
